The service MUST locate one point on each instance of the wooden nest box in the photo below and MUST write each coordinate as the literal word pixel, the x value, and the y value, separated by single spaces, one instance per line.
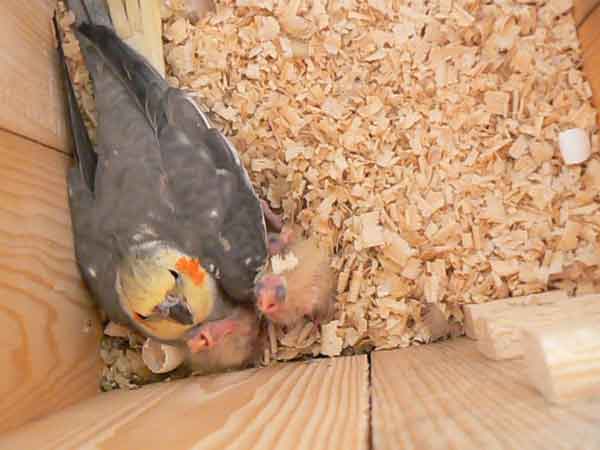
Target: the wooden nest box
pixel 526 377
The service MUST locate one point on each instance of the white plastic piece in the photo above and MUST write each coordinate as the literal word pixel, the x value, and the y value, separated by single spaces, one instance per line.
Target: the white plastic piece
pixel 574 145
pixel 161 358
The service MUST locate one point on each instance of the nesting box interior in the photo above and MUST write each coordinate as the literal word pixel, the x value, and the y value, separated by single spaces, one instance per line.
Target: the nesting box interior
pixel 520 379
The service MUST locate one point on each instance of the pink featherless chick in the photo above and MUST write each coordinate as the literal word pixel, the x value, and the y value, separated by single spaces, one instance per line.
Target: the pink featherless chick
pixel 306 289
pixel 233 343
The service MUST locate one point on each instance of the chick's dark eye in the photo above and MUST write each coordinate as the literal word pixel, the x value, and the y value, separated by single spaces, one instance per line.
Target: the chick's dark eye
pixel 175 274
pixel 280 292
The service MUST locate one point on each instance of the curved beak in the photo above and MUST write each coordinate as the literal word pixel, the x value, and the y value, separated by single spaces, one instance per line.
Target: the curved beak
pixel 176 308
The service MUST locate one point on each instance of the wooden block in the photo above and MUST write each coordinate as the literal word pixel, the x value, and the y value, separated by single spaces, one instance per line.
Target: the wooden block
pixel 563 361
pixel 321 404
pixel 496 308
pixel 499 342
pixel 447 396
pixel 499 336
pixel 31 99
pixel 49 331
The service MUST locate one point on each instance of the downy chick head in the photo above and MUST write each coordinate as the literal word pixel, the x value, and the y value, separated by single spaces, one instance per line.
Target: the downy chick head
pixel 271 294
pixel 303 286
pixel 163 291
pixel 234 342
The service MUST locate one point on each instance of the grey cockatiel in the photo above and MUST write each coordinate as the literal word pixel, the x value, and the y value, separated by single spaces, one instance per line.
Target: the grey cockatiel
pixel 164 215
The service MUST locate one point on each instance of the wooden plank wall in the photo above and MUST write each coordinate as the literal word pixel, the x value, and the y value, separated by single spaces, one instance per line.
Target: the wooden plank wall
pixel 31 102
pixel 587 17
pixel 49 332
pixel 322 404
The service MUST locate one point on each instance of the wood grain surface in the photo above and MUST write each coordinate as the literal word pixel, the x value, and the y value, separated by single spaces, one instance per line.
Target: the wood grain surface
pixel 499 335
pixel 582 9
pixel 448 396
pixel 563 359
pixel 498 308
pixel 316 405
pixel 31 100
pixel 589 36
pixel 49 332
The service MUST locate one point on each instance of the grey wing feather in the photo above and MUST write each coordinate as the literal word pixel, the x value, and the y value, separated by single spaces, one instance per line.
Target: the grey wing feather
pixel 94 261
pixel 217 209
pixel 129 200
pixel 85 154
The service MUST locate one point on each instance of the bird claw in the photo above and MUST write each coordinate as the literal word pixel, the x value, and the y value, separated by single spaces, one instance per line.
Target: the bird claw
pixel 271 217
pixel 206 336
pixel 278 243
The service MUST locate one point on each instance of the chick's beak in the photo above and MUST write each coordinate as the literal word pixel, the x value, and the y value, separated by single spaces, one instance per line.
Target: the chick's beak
pixel 208 335
pixel 270 294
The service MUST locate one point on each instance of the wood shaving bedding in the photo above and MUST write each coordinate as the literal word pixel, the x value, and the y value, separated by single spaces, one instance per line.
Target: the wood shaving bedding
pixel 418 139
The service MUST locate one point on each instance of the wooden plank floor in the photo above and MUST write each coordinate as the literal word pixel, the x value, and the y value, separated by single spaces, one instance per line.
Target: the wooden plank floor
pixel 317 405
pixel 439 396
pixel 448 396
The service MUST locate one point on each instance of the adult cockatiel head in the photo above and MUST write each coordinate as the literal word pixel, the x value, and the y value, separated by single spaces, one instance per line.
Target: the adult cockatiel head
pixel 164 216
pixel 164 292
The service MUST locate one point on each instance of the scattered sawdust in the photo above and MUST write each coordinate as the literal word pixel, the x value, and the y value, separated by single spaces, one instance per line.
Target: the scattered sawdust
pixel 123 364
pixel 78 71
pixel 419 140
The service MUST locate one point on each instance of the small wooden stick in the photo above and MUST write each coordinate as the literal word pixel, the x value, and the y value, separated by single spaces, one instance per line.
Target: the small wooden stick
pixel 563 361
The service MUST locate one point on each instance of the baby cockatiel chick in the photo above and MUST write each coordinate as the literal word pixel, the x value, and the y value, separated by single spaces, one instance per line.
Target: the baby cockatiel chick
pixel 307 289
pixel 232 343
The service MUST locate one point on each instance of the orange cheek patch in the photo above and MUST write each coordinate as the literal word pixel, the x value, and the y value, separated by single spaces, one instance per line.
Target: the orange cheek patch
pixel 192 268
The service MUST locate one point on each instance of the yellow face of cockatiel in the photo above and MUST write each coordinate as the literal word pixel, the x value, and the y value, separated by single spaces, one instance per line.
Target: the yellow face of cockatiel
pixel 164 292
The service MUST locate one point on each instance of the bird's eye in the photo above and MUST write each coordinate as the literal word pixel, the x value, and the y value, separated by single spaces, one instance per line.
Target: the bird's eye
pixel 175 274
pixel 280 292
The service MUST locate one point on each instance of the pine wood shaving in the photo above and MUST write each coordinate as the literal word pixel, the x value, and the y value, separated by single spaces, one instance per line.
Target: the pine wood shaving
pixel 331 343
pixel 497 102
pixel 436 322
